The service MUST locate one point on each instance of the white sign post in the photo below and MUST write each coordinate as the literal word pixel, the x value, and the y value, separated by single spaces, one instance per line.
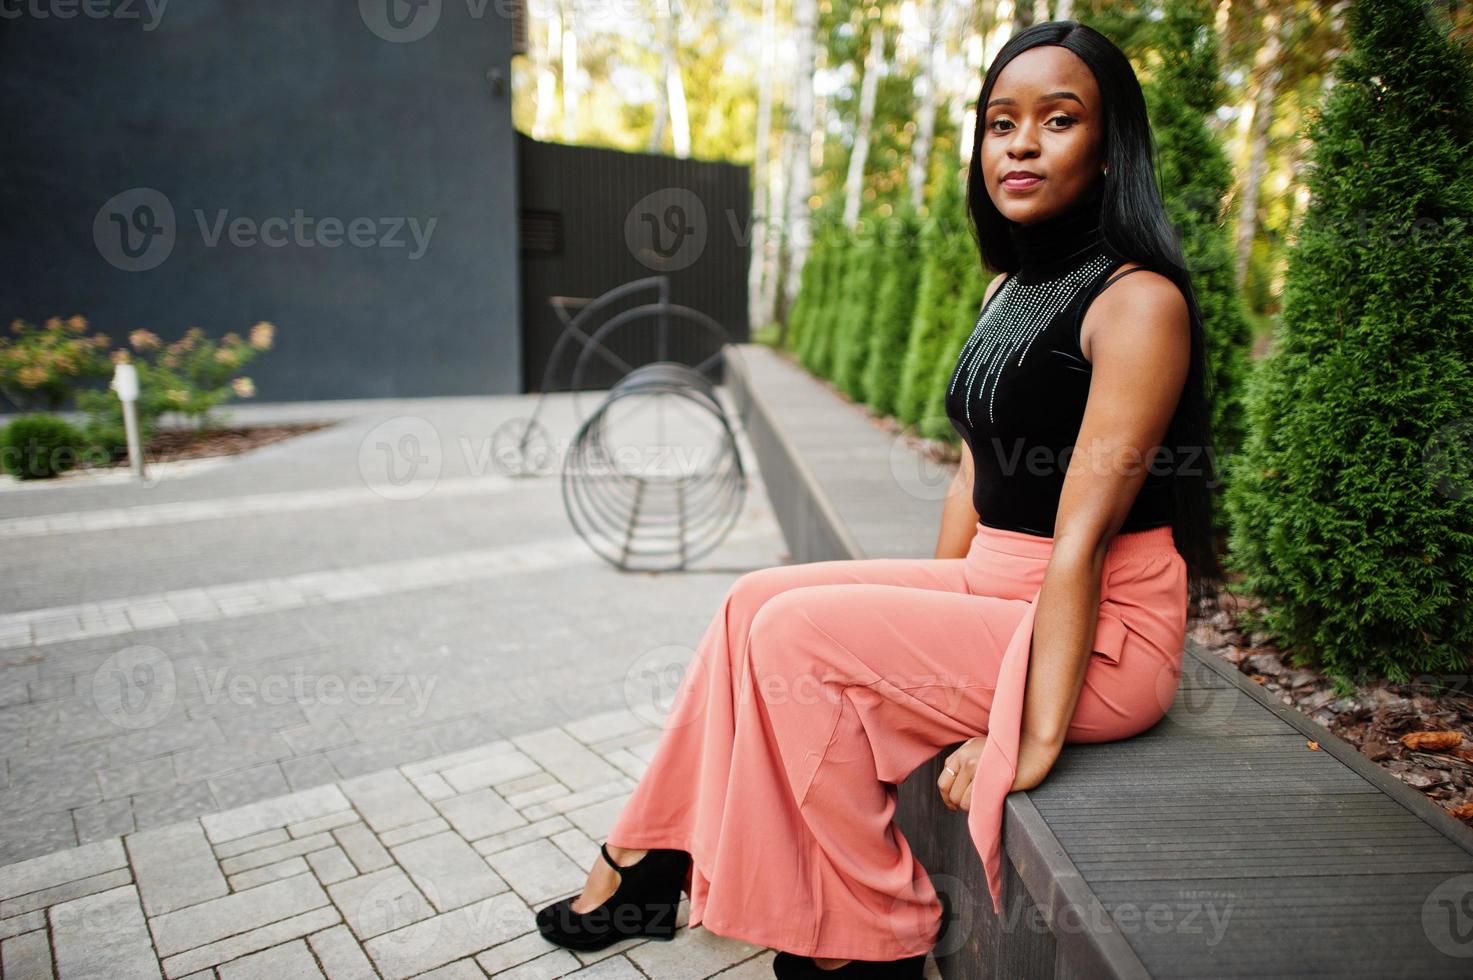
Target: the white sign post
pixel 125 383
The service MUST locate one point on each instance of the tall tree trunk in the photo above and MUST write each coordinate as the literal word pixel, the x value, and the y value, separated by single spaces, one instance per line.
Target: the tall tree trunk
pixel 759 270
pixel 662 92
pixel 854 183
pixel 670 104
pixel 779 239
pixel 1268 72
pixel 798 222
pixel 920 154
pixel 1327 82
pixel 546 57
pixel 570 75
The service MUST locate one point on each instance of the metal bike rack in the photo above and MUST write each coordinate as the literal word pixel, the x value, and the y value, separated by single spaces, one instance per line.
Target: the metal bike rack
pixel 654 478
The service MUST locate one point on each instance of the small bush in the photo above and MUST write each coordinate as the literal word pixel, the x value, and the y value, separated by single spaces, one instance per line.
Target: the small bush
pixel 34 447
pixel 40 366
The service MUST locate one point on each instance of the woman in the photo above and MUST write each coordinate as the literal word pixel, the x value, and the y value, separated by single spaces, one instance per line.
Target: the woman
pixel 819 687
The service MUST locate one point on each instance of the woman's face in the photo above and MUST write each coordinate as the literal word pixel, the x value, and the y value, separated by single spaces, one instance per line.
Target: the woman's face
pixel 1043 117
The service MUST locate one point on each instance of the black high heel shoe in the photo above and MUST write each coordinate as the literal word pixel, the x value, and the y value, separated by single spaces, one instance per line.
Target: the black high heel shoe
pixel 790 966
pixel 644 905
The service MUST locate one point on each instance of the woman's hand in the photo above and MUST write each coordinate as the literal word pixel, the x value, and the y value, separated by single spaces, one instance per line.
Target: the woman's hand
pixel 1035 758
pixel 955 783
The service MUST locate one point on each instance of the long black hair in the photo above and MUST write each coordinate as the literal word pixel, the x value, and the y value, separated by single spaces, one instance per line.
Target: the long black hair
pixel 1135 226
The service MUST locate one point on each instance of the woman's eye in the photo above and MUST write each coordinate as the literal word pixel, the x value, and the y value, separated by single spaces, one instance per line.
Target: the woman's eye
pixel 1064 119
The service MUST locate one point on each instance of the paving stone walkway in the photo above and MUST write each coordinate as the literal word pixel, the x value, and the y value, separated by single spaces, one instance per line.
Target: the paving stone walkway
pixel 285 716
pixel 429 869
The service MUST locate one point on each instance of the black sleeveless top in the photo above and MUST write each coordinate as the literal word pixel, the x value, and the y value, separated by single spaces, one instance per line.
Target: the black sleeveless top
pixel 1018 391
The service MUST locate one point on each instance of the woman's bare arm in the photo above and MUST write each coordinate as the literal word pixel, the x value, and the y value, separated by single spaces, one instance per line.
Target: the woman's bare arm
pixel 958 518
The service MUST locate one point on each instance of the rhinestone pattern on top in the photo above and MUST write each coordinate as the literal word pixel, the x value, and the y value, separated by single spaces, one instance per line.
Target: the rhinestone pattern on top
pixel 1010 323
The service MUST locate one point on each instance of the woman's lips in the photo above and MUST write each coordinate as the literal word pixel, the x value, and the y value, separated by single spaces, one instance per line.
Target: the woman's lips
pixel 1021 183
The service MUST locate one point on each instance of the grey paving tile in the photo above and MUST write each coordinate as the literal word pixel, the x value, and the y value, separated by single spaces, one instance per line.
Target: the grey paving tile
pixel 522 835
pixel 59 868
pixel 18 924
pixel 380 902
pixel 448 937
pixel 111 818
pixel 702 954
pixel 514 952
pixel 448 870
pixel 278 812
pixel 102 937
pixel 362 848
pixel 175 867
pixel 316 825
pixel 459 970
pixel 340 955
pixel 489 771
pixel 233 789
pixel 414 831
pixel 538 870
pixel 558 963
pixel 331 865
pixel 432 786
pixel 480 813
pixel 289 961
pixel 60 893
pixel 264 937
pixel 387 800
pixel 136 777
pixel 27 956
pixel 270 872
pixel 450 760
pixel 217 918
pixel 240 845
pixel 162 807
pixel 275 853
pixel 304 772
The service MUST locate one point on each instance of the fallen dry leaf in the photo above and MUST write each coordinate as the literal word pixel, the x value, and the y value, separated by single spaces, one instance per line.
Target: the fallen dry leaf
pixel 1313 745
pixel 1432 741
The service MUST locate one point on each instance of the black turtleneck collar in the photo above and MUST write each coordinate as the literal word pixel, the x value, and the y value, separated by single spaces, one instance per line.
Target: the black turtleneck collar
pixel 1058 243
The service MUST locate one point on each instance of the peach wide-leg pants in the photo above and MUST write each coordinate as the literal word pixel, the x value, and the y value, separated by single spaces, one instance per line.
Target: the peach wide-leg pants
pixel 819 687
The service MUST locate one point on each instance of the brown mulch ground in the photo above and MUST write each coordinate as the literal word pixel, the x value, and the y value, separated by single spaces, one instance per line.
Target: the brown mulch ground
pixel 174 444
pixel 1419 732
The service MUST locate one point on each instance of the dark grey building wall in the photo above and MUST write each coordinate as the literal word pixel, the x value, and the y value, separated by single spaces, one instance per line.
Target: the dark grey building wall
pixel 270 109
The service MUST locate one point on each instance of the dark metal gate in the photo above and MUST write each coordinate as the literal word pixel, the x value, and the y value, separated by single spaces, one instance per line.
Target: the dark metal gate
pixel 591 219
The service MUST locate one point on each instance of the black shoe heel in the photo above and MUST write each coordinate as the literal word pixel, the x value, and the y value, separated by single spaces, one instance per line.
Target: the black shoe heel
pixel 791 966
pixel 644 905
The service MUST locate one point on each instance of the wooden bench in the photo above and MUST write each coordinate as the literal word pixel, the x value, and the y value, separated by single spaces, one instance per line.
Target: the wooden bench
pixel 1217 843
